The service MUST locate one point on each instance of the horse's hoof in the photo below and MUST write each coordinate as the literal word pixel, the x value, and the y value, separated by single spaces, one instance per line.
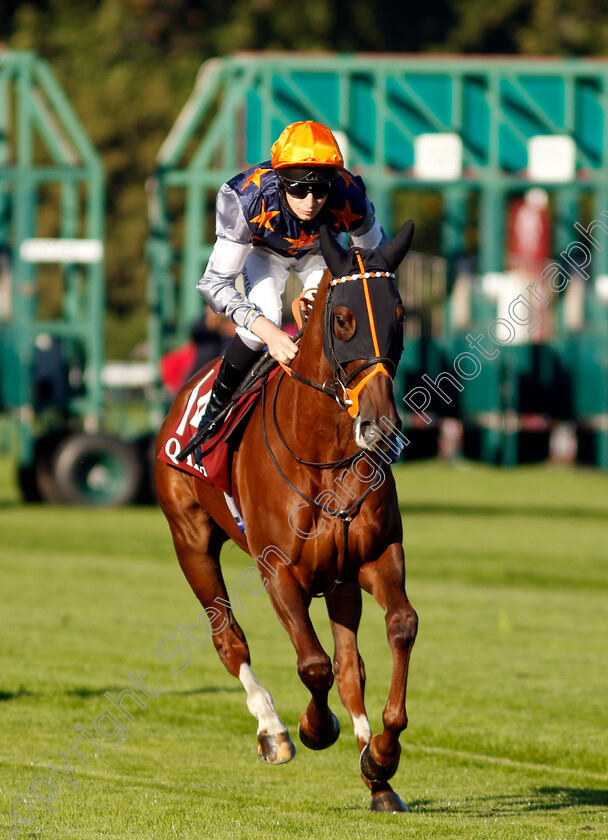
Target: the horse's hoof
pixel 320 743
pixel 276 749
pixel 388 802
pixel 375 772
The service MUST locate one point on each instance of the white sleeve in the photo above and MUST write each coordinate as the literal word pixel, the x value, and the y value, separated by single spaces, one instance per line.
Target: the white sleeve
pixel 375 237
pixel 227 259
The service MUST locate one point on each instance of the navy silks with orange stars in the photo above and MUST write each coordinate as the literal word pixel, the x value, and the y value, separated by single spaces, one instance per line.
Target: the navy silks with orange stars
pixel 273 227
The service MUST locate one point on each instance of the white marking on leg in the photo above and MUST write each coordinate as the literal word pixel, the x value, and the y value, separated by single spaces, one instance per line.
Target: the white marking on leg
pixel 362 728
pixel 259 703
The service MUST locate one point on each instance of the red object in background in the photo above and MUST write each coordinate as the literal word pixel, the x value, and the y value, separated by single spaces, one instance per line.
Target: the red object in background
pixel 529 246
pixel 176 365
pixel 529 229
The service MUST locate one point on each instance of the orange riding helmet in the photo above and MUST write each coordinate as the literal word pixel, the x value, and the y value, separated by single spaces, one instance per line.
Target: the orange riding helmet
pixel 305 146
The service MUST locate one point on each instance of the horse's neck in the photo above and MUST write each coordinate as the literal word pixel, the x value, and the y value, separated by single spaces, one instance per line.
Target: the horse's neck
pixel 310 361
pixel 316 416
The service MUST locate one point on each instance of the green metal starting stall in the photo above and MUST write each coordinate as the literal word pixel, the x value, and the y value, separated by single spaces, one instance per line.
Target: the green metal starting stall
pixel 473 133
pixel 52 294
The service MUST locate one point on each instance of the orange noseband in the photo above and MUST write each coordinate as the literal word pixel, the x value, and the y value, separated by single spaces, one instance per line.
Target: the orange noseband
pixel 353 393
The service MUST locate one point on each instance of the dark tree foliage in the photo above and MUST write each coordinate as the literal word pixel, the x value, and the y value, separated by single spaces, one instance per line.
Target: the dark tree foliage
pixel 128 66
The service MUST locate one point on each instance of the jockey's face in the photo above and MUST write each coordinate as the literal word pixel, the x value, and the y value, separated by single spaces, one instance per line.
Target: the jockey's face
pixel 305 208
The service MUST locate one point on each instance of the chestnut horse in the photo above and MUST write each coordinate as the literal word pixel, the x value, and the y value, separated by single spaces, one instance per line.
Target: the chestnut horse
pixel 320 511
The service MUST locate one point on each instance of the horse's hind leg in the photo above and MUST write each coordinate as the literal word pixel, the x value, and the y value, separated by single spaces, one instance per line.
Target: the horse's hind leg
pixel 385 580
pixel 344 608
pixel 198 541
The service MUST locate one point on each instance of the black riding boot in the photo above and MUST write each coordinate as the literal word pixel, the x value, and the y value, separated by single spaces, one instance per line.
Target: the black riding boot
pixel 238 360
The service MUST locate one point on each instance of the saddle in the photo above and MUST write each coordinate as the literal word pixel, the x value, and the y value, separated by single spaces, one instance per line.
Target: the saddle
pixel 216 453
pixel 215 457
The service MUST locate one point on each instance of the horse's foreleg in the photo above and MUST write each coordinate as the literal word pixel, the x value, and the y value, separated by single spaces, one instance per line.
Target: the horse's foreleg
pixel 318 727
pixel 385 580
pixel 344 608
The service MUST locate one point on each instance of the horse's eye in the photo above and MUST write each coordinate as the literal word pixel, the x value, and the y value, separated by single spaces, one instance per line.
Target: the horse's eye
pixel 344 323
pixel 400 314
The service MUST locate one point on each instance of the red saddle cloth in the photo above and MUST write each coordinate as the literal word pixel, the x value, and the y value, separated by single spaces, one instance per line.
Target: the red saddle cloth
pixel 217 451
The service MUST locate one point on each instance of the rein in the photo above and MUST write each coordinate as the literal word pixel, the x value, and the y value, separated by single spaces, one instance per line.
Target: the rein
pixel 319 465
pixel 342 379
pixel 345 396
pixel 329 390
pixel 346 514
pixel 350 398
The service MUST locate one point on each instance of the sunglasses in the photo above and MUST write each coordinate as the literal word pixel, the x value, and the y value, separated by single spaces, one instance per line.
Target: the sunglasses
pixel 297 189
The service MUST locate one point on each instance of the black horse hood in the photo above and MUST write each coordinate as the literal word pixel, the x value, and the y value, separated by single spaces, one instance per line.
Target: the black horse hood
pixel 363 282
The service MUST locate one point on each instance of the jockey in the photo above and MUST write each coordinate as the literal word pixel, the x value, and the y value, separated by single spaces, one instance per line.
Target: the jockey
pixel 268 221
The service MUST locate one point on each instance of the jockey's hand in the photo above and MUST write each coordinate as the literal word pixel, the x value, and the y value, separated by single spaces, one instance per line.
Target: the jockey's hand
pixel 280 345
pixel 310 294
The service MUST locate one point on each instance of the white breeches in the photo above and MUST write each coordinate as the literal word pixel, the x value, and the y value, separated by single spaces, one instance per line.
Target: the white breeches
pixel 265 275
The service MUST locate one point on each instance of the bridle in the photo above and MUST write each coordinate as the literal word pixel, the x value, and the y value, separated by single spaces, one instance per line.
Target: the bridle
pixel 381 364
pixel 347 397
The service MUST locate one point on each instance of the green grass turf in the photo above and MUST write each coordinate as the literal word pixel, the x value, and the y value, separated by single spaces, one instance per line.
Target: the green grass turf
pixel 507 694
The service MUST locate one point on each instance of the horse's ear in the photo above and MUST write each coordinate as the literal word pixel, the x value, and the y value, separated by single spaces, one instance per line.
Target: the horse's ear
pixel 337 259
pixel 395 250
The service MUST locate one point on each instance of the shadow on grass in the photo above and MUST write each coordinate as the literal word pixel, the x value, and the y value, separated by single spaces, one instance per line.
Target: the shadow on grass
pixel 94 692
pixel 233 689
pixel 454 509
pixel 536 800
pixel 569 797
pixel 115 689
pixel 5 696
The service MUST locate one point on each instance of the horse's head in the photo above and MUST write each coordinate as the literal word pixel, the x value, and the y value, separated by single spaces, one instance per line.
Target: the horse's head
pixel 363 329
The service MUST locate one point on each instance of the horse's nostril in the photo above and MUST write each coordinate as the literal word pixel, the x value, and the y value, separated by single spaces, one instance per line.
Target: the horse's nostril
pixel 369 432
pixel 370 435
